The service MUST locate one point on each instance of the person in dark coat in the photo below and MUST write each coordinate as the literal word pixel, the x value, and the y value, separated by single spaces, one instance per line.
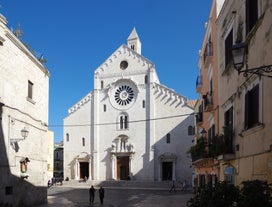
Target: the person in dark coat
pixel 91 193
pixel 173 187
pixel 101 194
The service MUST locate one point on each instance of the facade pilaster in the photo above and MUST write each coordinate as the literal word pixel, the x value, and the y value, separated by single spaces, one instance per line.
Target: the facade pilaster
pixel 77 170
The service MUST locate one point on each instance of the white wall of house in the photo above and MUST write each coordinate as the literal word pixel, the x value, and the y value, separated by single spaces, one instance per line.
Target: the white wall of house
pixel 18 67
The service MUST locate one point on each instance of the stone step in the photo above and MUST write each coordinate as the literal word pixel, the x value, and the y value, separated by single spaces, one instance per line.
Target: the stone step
pixel 125 184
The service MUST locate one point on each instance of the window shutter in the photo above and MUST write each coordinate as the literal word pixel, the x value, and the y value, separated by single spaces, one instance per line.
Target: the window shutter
pixel 246 110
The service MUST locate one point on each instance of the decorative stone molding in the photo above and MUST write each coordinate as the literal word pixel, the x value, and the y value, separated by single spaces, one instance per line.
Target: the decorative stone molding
pixel 123 49
pixel 168 94
pixel 82 102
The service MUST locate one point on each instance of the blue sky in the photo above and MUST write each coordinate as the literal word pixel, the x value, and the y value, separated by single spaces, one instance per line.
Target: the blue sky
pixel 78 36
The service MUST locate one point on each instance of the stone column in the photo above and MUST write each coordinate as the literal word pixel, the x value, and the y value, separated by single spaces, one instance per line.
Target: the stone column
pixel 129 165
pixel 77 170
pixel 174 171
pixel 159 170
pixel 113 167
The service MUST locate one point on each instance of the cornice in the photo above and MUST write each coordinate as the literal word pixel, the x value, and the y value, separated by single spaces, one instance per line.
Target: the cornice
pixel 80 103
pixel 23 48
pixel 168 94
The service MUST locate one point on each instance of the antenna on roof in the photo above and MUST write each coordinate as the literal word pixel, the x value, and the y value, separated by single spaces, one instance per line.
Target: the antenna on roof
pixel 18 32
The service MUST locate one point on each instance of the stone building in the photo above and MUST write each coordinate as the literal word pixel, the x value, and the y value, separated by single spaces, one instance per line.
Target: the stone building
pixel 50 155
pixel 129 126
pixel 58 160
pixel 207 110
pixel 24 88
pixel 246 104
pixel 240 149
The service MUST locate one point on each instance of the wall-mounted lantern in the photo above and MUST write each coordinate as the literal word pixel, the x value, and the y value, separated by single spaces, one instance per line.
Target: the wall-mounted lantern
pixel 239 51
pixel 14 141
pixel 203 133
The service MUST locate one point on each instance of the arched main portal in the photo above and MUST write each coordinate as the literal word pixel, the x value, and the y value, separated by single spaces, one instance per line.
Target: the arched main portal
pixel 121 156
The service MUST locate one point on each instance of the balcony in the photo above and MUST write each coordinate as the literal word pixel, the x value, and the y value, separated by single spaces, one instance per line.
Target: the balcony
pixel 208 101
pixel 199 84
pixel 200 150
pixel 199 118
pixel 208 53
pixel 222 145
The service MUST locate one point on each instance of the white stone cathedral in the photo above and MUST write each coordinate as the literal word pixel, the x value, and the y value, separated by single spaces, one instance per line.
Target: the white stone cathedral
pixel 129 126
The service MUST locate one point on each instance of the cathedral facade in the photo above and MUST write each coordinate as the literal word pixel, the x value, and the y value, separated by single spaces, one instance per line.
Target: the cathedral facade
pixel 129 126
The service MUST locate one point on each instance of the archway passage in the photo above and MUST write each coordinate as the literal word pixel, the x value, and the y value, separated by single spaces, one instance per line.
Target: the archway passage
pixel 167 170
pixel 122 168
pixel 84 170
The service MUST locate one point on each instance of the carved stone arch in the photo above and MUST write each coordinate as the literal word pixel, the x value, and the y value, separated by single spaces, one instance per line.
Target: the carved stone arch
pixel 82 167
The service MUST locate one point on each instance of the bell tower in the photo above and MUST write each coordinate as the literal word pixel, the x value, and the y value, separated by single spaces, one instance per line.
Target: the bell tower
pixel 133 41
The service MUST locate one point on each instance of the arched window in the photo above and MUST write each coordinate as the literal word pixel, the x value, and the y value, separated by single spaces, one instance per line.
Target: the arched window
pixel 168 138
pixel 123 122
pixel 67 137
pixel 83 141
pixel 102 84
pixel 143 103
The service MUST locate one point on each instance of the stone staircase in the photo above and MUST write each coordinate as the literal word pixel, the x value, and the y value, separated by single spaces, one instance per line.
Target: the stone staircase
pixel 127 184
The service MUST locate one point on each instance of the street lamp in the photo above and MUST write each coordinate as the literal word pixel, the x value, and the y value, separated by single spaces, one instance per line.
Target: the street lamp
pixel 238 55
pixel 24 133
pixel 14 141
pixel 203 133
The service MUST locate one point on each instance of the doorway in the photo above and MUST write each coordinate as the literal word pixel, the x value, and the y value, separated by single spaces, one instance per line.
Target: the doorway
pixel 84 170
pixel 122 168
pixel 167 170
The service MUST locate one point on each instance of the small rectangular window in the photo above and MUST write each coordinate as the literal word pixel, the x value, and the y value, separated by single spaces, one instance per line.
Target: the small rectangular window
pixel 251 14
pixel 168 138
pixel 252 107
pixel 83 141
pixel 143 103
pixel 67 137
pixel 30 90
pixel 146 79
pixel 228 47
pixel 105 107
pixel 9 190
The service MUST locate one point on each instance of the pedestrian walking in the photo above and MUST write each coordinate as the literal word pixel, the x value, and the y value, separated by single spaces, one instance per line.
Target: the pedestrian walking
pixel 184 186
pixel 91 194
pixel 173 187
pixel 101 194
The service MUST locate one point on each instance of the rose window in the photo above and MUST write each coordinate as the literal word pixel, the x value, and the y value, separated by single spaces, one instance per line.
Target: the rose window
pixel 124 95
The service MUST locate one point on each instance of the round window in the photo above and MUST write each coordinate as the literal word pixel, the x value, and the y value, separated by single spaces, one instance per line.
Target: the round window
pixel 124 95
pixel 123 64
